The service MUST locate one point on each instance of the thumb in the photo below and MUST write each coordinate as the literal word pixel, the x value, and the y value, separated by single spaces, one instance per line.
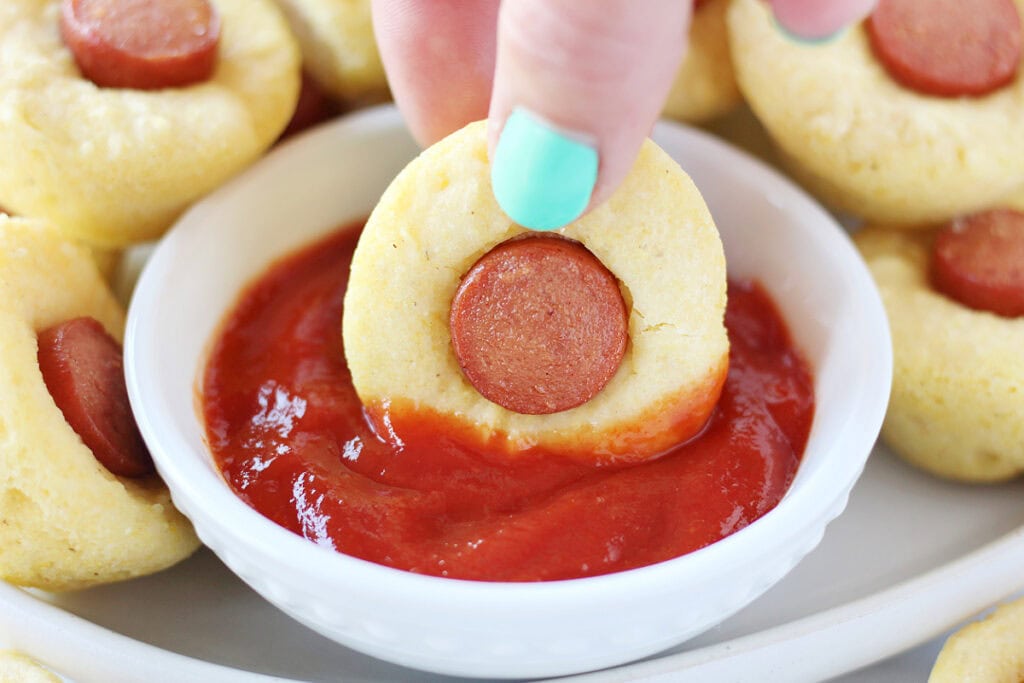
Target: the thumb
pixel 577 88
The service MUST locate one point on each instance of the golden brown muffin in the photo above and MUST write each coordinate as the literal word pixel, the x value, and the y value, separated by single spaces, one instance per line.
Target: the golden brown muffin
pixel 439 216
pixel 986 651
pixel 112 166
pixel 65 521
pixel 865 144
pixel 957 403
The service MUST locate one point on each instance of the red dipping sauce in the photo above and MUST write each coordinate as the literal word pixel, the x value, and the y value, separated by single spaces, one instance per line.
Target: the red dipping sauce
pixel 289 435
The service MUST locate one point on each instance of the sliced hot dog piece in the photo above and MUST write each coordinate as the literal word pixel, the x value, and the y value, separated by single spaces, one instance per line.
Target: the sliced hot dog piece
pixel 142 44
pixel 539 325
pixel 83 371
pixel 948 48
pixel 979 261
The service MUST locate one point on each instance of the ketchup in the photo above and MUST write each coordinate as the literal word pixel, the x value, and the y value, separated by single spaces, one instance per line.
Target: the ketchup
pixel 289 435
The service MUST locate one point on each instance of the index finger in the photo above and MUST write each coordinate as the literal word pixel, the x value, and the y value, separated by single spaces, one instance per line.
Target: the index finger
pixel 439 57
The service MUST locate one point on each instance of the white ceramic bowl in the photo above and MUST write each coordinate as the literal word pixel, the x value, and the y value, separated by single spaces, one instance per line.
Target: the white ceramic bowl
pixel 772 232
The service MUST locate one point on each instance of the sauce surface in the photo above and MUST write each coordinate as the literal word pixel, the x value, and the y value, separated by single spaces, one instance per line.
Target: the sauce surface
pixel 289 435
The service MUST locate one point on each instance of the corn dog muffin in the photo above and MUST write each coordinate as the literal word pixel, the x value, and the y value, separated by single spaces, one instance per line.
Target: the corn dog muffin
pixel 67 520
pixel 705 87
pixel 872 142
pixel 17 668
pixel 987 651
pixel 111 144
pixel 339 50
pixel 957 404
pixel 636 355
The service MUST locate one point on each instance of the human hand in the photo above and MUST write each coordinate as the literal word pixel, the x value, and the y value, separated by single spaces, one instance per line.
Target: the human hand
pixel 570 88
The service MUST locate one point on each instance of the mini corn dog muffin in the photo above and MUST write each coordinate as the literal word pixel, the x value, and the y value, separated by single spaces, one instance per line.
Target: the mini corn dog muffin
pixel 112 143
pixel 339 50
pixel 79 503
pixel 606 341
pixel 705 87
pixel 894 131
pixel 17 668
pixel 106 259
pixel 986 651
pixel 955 300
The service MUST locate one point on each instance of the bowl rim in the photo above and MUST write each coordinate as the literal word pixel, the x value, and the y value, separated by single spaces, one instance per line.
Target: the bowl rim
pixel 201 493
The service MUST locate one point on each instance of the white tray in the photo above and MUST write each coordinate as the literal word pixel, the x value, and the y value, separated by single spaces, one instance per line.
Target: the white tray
pixel 911 557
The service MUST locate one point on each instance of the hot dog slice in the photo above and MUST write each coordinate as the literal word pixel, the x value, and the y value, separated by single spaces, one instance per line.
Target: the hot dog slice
pixel 979 261
pixel 539 325
pixel 142 44
pixel 83 371
pixel 948 48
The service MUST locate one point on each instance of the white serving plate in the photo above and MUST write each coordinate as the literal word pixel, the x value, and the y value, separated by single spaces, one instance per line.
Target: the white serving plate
pixel 911 557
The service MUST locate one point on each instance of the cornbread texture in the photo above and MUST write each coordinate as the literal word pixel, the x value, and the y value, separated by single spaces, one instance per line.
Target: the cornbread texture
pixel 65 521
pixel 865 144
pixel 439 216
pixel 113 166
pixel 986 651
pixel 957 404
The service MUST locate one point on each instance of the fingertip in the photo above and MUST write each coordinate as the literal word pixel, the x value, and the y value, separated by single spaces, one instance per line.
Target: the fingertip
pixel 803 36
pixel 595 74
pixel 439 57
pixel 542 177
pixel 818 21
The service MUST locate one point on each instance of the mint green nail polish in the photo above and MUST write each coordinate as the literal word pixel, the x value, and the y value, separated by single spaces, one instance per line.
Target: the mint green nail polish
pixel 541 177
pixel 807 40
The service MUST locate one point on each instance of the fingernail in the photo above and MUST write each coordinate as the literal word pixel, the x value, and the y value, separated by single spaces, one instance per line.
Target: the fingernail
pixel 813 22
pixel 804 39
pixel 542 176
